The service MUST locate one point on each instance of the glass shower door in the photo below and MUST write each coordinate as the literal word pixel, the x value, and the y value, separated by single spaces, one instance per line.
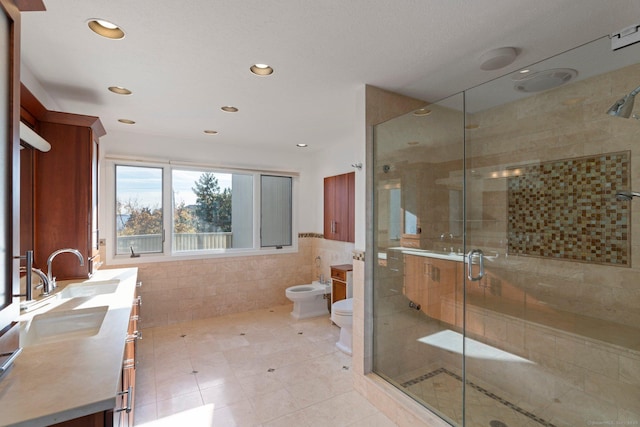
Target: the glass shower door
pixel 417 320
pixel 551 323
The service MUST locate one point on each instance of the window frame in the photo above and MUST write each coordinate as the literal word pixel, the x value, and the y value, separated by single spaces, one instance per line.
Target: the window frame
pixel 167 253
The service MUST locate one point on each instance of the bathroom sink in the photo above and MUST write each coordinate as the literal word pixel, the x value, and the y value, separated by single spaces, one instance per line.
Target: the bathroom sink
pixel 62 325
pixel 89 289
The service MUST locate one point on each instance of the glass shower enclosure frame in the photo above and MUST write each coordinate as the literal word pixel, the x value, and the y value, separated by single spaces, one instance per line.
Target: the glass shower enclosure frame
pixel 505 287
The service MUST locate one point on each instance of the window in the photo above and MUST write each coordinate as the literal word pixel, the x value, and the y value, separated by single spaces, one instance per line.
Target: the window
pixel 211 210
pixel 138 210
pixel 275 221
pixel 179 211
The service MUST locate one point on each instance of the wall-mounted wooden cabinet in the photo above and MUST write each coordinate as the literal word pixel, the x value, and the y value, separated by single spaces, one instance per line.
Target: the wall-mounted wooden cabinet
pixel 341 282
pixel 65 188
pixel 339 207
pixel 430 283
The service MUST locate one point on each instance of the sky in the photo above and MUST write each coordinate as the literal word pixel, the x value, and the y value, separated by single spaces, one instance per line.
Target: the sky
pixel 144 184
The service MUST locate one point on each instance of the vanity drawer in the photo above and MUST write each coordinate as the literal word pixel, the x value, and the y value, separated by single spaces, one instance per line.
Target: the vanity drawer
pixel 339 274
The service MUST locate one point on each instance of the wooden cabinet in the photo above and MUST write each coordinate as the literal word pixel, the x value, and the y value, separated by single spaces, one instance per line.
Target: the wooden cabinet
pixel 128 390
pixel 339 207
pixel 341 282
pixel 123 414
pixel 431 283
pixel 9 179
pixel 65 181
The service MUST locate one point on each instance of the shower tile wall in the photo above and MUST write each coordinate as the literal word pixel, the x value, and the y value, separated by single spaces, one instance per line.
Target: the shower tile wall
pixel 546 128
pixel 566 209
pixel 576 321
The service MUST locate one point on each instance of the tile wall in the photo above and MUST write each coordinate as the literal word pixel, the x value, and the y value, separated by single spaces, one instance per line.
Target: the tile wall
pixel 180 291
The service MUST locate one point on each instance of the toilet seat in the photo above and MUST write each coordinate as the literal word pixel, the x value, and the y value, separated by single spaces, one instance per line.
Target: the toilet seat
pixel 343 307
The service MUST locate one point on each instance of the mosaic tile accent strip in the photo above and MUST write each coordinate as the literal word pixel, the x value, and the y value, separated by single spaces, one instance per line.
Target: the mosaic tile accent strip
pixel 566 209
pixel 313 235
pixel 482 390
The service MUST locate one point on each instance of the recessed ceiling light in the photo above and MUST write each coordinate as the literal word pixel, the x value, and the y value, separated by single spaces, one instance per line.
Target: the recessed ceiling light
pixel 497 58
pixel 127 121
pixel 261 70
pixel 301 145
pixel 105 29
pixel 422 112
pixel 120 90
pixel 210 132
pixel 413 143
pixel 525 71
pixel 229 109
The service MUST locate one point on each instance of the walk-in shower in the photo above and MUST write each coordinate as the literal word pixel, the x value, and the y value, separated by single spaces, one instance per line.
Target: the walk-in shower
pixel 547 333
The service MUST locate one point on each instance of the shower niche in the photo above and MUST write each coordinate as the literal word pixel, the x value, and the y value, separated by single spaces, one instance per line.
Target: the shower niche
pixel 541 329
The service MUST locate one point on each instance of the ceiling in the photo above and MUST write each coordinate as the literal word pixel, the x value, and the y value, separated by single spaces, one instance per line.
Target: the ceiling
pixel 185 60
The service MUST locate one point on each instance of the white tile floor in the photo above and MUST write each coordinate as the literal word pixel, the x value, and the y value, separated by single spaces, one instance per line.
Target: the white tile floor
pixel 260 368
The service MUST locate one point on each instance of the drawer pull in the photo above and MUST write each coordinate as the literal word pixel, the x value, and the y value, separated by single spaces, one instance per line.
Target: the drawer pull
pixel 7 363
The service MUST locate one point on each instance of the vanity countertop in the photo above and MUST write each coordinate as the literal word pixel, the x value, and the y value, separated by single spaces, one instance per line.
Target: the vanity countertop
pixel 64 379
pixel 453 256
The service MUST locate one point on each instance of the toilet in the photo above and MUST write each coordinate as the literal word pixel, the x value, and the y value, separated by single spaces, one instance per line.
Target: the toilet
pixel 342 315
pixel 308 300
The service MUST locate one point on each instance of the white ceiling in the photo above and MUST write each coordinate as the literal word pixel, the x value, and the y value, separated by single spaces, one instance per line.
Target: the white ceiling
pixel 184 60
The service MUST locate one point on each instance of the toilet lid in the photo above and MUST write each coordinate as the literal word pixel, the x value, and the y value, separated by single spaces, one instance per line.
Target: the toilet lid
pixel 344 306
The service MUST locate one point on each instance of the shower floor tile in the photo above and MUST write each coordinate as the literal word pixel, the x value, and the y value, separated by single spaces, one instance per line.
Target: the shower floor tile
pixel 442 389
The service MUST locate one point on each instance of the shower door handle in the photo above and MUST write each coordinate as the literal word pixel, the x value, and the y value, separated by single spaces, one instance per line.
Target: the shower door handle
pixel 470 256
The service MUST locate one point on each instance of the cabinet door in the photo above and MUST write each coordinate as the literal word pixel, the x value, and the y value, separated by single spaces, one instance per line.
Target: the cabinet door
pixel 339 207
pixel 329 207
pixel 64 199
pixel 440 289
pixel 414 278
pixel 9 157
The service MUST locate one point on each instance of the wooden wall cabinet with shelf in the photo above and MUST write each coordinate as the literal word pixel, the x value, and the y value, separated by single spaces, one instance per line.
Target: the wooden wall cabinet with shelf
pixel 65 188
pixel 341 282
pixel 339 207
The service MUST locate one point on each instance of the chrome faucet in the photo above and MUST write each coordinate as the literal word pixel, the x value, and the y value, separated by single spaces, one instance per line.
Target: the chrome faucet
pixel 442 237
pixel 43 279
pixel 51 281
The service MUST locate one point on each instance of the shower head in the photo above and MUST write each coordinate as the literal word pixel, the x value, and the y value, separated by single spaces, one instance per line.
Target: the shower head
pixel 626 195
pixel 624 106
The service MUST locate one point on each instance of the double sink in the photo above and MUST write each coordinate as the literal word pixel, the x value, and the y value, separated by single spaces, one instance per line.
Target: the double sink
pixel 71 313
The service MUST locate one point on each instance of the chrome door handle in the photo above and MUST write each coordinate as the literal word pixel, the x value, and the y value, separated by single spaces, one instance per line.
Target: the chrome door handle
pixel 470 256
